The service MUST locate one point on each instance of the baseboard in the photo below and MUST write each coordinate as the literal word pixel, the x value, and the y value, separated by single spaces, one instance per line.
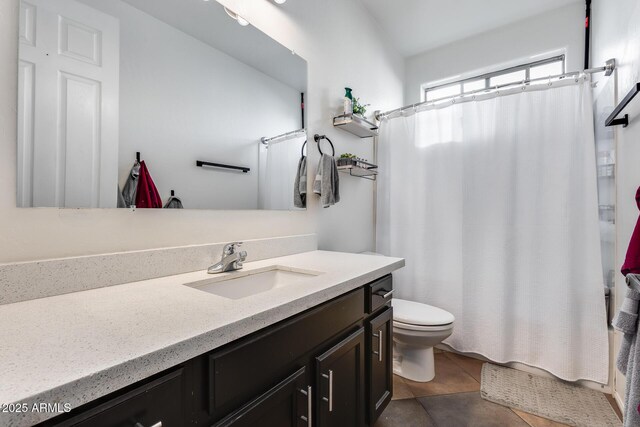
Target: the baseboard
pixel 618 399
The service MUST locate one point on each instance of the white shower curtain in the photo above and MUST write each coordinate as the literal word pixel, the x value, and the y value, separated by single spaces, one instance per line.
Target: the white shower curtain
pixel 276 181
pixel 493 204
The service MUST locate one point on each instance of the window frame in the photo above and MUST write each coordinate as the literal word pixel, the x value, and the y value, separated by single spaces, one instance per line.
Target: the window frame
pixel 487 77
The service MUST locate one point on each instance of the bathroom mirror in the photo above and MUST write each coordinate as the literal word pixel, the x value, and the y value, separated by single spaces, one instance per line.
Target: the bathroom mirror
pixel 186 86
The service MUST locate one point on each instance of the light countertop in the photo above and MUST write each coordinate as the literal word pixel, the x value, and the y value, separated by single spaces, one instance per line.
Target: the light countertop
pixel 77 347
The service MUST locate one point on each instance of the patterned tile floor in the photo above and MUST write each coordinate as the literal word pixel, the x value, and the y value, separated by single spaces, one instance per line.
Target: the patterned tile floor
pixel 453 399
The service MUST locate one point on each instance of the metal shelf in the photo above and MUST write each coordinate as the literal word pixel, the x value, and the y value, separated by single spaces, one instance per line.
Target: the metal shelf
pixel 356 125
pixel 361 170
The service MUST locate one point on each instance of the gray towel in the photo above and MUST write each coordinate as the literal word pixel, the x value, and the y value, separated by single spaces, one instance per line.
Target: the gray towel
pixel 173 203
pixel 628 361
pixel 327 182
pixel 300 184
pixel 120 202
pixel 131 186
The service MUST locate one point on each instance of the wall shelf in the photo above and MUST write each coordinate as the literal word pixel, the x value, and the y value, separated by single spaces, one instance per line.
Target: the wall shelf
pixel 360 169
pixel 356 125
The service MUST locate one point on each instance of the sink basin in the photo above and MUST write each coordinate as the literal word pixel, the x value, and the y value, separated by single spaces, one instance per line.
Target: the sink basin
pixel 241 284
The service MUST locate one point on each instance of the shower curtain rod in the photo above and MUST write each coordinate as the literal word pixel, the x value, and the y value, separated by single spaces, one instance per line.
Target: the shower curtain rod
pixel 607 69
pixel 293 133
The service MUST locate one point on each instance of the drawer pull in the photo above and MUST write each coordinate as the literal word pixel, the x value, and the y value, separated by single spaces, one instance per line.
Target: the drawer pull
pixel 379 335
pixel 309 417
pixel 158 424
pixel 387 295
pixel 330 399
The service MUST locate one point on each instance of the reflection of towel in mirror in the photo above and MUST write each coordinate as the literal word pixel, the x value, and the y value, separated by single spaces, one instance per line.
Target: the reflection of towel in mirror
pixel 300 184
pixel 147 195
pixel 120 200
pixel 173 203
pixel 628 361
pixel 327 182
pixel 131 186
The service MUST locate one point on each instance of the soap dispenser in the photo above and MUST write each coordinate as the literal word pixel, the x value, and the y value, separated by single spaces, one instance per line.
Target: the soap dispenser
pixel 348 101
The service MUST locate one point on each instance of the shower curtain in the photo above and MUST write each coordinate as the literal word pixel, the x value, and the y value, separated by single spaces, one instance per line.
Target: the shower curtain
pixel 493 205
pixel 275 190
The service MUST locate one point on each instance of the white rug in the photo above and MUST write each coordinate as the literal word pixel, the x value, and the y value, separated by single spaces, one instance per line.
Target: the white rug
pixel 547 397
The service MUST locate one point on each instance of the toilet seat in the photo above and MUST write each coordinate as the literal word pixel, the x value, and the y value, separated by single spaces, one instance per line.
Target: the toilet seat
pixel 410 327
pixel 412 315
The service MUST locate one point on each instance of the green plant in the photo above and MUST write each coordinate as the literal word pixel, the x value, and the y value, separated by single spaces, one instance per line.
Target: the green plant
pixel 359 108
pixel 347 156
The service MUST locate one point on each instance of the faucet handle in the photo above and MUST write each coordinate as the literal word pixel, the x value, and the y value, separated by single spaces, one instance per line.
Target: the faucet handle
pixel 230 248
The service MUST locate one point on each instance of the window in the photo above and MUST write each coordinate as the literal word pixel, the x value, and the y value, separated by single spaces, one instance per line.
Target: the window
pixel 510 76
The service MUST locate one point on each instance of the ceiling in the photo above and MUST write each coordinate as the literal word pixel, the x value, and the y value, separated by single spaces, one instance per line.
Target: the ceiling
pixel 415 26
pixel 209 23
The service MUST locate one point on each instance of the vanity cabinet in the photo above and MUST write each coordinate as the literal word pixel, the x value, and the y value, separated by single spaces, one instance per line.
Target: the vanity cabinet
pixel 340 383
pixel 380 362
pixel 329 366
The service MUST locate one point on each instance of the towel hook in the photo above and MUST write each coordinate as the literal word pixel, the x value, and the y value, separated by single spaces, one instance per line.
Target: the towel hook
pixel 173 193
pixel 138 156
pixel 317 139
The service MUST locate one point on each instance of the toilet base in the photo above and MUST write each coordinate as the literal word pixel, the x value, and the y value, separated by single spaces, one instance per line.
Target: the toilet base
pixel 414 363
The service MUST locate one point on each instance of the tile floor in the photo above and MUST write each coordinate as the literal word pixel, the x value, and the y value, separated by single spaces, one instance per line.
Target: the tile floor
pixel 453 399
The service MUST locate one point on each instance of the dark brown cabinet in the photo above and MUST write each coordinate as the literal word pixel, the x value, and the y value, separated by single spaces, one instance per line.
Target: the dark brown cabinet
pixel 288 404
pixel 380 362
pixel 157 403
pixel 340 383
pixel 329 366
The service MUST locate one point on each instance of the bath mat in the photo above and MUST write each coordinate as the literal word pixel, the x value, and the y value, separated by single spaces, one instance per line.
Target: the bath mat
pixel 547 397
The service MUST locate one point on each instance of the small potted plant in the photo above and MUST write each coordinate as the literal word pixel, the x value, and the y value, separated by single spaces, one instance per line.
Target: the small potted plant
pixel 347 159
pixel 359 109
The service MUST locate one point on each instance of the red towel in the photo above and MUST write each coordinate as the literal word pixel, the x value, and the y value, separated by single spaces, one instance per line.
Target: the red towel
pixel 632 260
pixel 147 195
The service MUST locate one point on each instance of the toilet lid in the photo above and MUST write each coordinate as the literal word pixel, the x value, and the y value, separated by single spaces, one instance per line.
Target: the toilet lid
pixel 415 313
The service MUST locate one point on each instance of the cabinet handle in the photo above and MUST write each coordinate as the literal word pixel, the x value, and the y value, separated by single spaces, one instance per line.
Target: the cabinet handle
pixel 380 339
pixel 330 399
pixel 158 424
pixel 309 416
pixel 387 295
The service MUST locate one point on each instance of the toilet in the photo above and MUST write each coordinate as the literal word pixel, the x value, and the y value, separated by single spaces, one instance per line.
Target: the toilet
pixel 417 328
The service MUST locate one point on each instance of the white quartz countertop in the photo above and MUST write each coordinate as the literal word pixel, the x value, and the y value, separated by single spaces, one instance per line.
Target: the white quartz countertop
pixel 75 348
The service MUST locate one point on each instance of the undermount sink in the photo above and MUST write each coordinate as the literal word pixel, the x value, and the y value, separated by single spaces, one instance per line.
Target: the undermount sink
pixel 242 284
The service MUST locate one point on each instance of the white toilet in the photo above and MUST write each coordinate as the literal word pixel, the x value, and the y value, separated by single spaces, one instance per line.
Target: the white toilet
pixel 417 328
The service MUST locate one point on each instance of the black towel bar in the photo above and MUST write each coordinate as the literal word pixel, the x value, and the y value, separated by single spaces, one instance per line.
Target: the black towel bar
pixel 200 163
pixel 611 120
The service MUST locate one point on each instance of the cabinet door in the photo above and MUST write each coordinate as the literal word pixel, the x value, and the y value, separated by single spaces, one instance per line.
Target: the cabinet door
pixel 288 404
pixel 380 363
pixel 340 383
pixel 158 403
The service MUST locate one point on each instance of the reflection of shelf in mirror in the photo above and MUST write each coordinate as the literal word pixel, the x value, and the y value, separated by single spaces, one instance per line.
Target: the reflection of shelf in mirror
pixel 607 213
pixel 606 170
pixel 360 169
pixel 358 126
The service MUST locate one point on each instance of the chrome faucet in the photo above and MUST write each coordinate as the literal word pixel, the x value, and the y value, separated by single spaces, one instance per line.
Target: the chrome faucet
pixel 231 259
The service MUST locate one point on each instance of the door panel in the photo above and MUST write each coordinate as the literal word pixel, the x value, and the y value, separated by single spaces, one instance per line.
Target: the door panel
pixel 380 363
pixel 68 140
pixel 288 404
pixel 340 383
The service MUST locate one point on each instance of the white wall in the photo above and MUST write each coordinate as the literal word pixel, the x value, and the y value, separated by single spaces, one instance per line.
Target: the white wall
pixel 182 100
pixel 616 34
pixel 558 31
pixel 342 45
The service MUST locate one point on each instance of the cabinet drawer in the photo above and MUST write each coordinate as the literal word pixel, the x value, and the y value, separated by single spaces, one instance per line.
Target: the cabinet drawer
pixel 158 403
pixel 246 369
pixel 379 293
